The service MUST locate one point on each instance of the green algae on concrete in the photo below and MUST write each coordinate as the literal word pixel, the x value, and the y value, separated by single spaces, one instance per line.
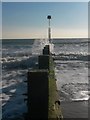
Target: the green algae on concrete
pixel 54 110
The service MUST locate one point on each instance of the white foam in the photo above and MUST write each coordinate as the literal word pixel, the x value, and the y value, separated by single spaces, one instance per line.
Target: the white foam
pixel 40 44
pixel 82 96
pixel 76 91
pixel 5 85
pixel 4 98
pixel 13 91
pixel 13 59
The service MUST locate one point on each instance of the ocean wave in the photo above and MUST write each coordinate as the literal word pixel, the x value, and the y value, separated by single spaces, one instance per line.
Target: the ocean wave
pixel 71 56
pixel 75 92
pixel 4 98
pixel 81 96
pixel 13 100
pixel 70 41
pixel 9 59
pixel 39 45
pixel 25 62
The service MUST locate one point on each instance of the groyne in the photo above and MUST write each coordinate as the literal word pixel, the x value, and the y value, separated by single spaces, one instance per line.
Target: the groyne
pixel 42 95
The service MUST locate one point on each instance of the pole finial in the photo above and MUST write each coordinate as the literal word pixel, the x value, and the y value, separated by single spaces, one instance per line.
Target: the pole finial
pixel 49 17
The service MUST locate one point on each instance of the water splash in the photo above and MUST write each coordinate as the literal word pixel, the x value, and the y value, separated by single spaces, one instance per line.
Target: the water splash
pixel 39 44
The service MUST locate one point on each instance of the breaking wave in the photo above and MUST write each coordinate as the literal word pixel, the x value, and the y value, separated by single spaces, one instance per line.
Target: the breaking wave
pixel 72 56
pixel 40 44
pixel 75 92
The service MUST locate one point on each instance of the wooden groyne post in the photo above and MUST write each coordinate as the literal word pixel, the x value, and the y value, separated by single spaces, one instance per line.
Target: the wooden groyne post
pixel 43 99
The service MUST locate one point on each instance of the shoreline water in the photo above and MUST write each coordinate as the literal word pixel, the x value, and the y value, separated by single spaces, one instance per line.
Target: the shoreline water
pixel 67 71
pixel 75 109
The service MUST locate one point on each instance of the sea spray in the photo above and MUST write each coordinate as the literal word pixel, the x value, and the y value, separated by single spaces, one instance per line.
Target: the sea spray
pixel 40 44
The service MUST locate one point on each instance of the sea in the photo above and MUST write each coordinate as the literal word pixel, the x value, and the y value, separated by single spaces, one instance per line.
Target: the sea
pixel 70 57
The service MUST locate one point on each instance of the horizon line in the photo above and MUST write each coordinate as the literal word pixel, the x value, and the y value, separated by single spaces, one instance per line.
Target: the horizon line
pixel 46 38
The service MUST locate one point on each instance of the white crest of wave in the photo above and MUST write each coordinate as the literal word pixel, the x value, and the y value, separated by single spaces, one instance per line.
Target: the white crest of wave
pixel 39 44
pixel 82 96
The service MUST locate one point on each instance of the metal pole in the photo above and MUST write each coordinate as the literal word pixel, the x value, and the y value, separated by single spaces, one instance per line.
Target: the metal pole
pixel 49 22
pixel 49 29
